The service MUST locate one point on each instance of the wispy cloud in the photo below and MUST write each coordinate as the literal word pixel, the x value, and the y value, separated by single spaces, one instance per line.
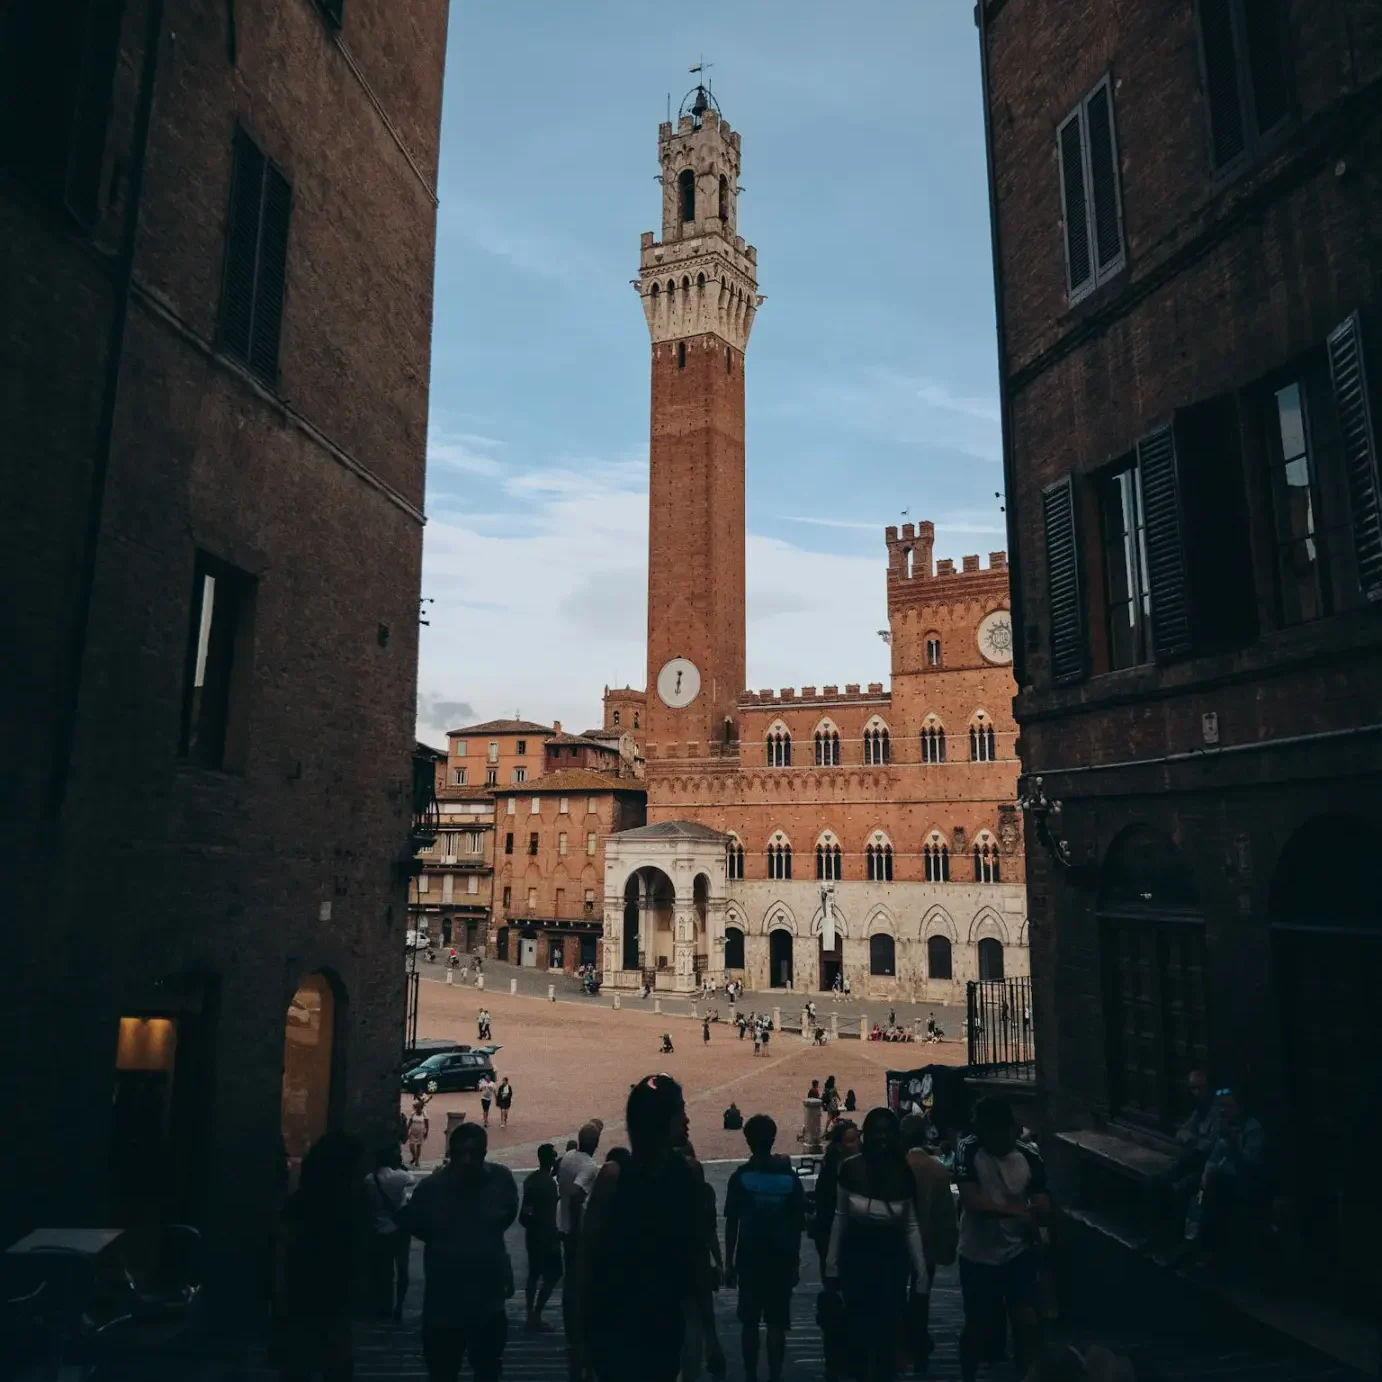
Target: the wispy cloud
pixel 463 457
pixel 859 524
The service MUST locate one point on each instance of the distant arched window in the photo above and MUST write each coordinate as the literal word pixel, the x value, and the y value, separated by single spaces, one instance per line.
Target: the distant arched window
pixel 671 285
pixel 911 558
pixel 724 197
pixel 681 354
pixel 990 958
pixel 829 859
pixel 779 859
pixel 827 746
pixel 734 859
pixel 779 746
pixel 981 743
pixel 700 280
pixel 655 290
pixel 933 742
pixel 616 717
pixel 882 955
pixel 635 719
pixel 935 855
pixel 933 650
pixel 938 958
pixel 686 186
pixel 986 868
pixel 877 749
pixel 879 858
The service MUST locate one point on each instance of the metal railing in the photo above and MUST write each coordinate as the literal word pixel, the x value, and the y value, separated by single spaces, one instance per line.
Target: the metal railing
pixel 998 1028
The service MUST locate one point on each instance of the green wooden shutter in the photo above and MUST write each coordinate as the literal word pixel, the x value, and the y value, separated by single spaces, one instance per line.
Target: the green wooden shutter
pixel 270 276
pixel 1103 180
pixel 1226 133
pixel 1166 575
pixel 1070 140
pixel 1063 582
pixel 1354 405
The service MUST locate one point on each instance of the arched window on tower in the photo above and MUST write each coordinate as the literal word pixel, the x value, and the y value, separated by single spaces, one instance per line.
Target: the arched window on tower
pixel 829 858
pixel 911 558
pixel 635 719
pixel 616 717
pixel 734 860
pixel 877 749
pixel 724 197
pixel 681 354
pixel 686 187
pixel 827 745
pixel 779 746
pixel 935 855
pixel 981 741
pixel 932 741
pixel 878 857
pixel 933 650
pixel 779 857
pixel 986 868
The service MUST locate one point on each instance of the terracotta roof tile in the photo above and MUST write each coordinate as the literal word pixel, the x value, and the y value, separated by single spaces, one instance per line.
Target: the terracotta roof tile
pixel 503 727
pixel 570 780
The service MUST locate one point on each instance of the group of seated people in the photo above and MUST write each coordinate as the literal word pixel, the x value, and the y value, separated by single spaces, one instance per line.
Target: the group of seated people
pixel 891 1033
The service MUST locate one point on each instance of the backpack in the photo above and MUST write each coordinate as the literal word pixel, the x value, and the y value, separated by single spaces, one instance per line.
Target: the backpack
pixel 769 1217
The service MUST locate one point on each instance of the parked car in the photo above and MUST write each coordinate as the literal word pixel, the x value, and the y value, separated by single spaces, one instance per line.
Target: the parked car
pixel 417 940
pixel 448 1071
pixel 430 1046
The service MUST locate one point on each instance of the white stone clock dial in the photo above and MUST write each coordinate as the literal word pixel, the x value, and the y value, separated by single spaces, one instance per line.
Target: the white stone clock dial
pixel 995 636
pixel 679 683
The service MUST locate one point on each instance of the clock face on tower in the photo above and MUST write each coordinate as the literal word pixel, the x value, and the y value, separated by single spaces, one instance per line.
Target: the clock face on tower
pixel 679 683
pixel 995 636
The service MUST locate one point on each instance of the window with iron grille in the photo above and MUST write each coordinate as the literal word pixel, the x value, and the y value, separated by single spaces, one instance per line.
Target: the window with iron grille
pixel 933 744
pixel 879 859
pixel 877 748
pixel 779 861
pixel 829 862
pixel 982 748
pixel 1244 64
pixel 936 857
pixel 1088 148
pixel 779 746
pixel 256 260
pixel 734 861
pixel 827 748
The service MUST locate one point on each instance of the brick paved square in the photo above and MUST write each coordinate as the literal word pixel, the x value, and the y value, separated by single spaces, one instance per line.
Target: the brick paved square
pixel 572 1061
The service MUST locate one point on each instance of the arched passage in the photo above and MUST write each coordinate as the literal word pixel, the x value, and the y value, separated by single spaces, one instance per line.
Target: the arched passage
pixel 1327 947
pixel 309 1061
pixel 734 948
pixel 780 958
pixel 649 904
pixel 990 958
pixel 1152 935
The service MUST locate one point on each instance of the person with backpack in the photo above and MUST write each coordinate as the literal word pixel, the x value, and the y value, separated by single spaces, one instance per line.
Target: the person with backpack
pixel 387 1187
pixel 645 1246
pixel 765 1212
pixel 541 1242
pixel 940 1229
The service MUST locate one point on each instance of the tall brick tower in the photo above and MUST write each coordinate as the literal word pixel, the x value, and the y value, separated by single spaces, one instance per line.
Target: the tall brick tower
pixel 699 290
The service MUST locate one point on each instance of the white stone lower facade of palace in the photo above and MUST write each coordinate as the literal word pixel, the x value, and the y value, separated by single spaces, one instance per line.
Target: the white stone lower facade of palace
pixel 673 915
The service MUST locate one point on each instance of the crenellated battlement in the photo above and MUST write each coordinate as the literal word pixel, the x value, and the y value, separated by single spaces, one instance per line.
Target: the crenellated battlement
pixel 808 695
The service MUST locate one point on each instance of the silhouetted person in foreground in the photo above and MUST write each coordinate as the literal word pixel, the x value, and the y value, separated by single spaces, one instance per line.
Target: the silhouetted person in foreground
pixel 646 1250
pixel 314 1266
pixel 460 1213
pixel 386 1189
pixel 541 1242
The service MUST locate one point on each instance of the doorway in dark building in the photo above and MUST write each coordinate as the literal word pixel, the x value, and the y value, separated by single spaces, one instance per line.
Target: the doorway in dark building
pixel 780 959
pixel 588 946
pixel 832 964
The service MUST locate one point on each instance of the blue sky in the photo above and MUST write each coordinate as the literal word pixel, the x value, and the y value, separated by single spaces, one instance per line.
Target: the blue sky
pixel 871 373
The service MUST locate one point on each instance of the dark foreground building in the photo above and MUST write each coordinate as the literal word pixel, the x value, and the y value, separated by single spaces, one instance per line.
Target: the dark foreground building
pixel 1188 245
pixel 216 249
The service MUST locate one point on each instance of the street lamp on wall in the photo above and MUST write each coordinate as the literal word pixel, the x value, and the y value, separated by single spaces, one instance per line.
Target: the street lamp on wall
pixel 1045 812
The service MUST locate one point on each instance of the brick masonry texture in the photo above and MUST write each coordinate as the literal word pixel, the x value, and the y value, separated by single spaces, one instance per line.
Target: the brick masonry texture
pixel 161 887
pixel 1228 284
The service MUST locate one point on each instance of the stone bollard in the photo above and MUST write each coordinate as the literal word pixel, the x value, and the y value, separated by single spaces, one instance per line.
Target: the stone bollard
pixel 863 1029
pixel 657 1005
pixel 551 993
pixel 513 985
pixel 806 1033
pixel 777 1020
pixel 616 1002
pixel 811 1131
pixel 834 1026
pixel 450 976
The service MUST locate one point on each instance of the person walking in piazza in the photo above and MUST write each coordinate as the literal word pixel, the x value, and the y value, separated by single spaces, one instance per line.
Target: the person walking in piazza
pixel 415 1129
pixel 503 1099
pixel 486 1088
pixel 705 1030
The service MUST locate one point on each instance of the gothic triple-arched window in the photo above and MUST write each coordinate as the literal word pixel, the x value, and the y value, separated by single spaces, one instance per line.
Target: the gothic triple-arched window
pixel 734 859
pixel 877 749
pixel 981 744
pixel 779 857
pixel 878 857
pixel 686 187
pixel 779 746
pixel 829 858
pixel 827 746
pixel 933 741
pixel 935 855
pixel 986 868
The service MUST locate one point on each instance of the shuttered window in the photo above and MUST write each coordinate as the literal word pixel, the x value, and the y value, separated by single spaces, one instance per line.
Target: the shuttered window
pixel 1247 91
pixel 1161 516
pixel 1353 403
pixel 1063 583
pixel 251 317
pixel 1091 198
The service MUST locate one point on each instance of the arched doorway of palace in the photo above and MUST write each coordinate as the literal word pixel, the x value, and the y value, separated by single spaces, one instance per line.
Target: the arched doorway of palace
pixel 779 958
